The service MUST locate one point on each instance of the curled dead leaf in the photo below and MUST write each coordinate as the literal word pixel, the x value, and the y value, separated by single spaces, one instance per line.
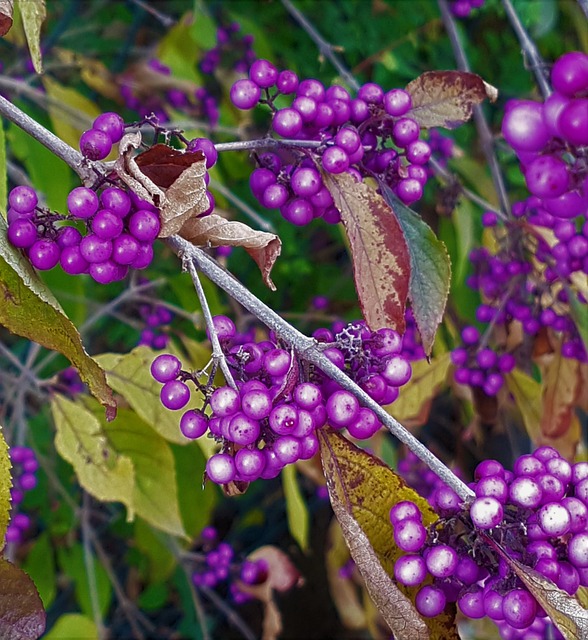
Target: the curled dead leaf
pixel 213 230
pixel 6 9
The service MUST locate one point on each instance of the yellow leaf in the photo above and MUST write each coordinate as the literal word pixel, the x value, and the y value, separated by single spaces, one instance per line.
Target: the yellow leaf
pixel 80 440
pixel 527 394
pixel 5 486
pixel 420 389
pixel 561 386
pixel 33 14
pixel 73 626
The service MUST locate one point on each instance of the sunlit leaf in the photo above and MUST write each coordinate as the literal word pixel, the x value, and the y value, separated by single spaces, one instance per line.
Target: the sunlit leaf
pixel 40 567
pixel 21 611
pixel 381 262
pixel 447 98
pixel 296 507
pixel 561 386
pixel 29 309
pixel 416 395
pixel 215 231
pixel 362 490
pixel 5 486
pixel 430 269
pixel 73 626
pixel 527 395
pixel 33 14
pixel 129 374
pixel 100 469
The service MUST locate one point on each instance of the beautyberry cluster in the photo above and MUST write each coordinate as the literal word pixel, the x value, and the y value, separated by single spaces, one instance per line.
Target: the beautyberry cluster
pixel 156 318
pixel 463 8
pixel 538 513
pixel 220 567
pixel 549 139
pixel 107 129
pixel 270 419
pixel 25 466
pixel 479 366
pixel 369 135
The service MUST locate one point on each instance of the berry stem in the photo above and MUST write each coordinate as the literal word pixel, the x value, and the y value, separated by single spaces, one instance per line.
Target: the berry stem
pixel 530 51
pixel 479 119
pixel 217 352
pixel 266 143
pixel 307 349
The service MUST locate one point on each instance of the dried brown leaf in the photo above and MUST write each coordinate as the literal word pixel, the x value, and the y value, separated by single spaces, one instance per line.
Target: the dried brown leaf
pixel 21 611
pixel 6 9
pixel 214 230
pixel 447 98
pixel 164 165
pixel 381 262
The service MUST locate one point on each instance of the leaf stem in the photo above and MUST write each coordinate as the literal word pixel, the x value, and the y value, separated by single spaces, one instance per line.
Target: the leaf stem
pixel 486 138
pixel 530 51
pixel 307 348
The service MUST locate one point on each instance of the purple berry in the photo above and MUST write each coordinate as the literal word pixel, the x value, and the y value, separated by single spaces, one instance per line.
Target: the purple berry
pixel 165 367
pixel 95 145
pixel 175 395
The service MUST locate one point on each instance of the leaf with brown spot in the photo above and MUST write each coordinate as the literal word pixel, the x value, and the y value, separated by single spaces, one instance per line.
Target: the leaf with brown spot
pixel 566 613
pixel 362 490
pixel 561 386
pixel 447 98
pixel 381 262
pixel 214 230
pixel 6 9
pixel 22 616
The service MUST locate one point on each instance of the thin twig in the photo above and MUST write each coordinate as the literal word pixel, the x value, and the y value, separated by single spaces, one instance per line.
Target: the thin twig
pixel 307 349
pixel 231 615
pixel 166 21
pixel 266 143
pixel 486 138
pixel 217 352
pixel 530 51
pixel 584 6
pixel 325 49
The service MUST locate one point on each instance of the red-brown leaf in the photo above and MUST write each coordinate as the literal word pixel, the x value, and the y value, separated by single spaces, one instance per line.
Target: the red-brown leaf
pixel 22 616
pixel 165 165
pixel 447 98
pixel 213 230
pixel 381 262
pixel 6 9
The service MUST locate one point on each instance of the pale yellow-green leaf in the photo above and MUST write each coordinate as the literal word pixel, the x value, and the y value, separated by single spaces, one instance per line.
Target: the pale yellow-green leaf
pixel 101 470
pixel 527 394
pixel 5 486
pixel 130 376
pixel 155 494
pixel 33 14
pixel 73 626
pixel 296 507
pixel 71 113
pixel 419 391
pixel 3 188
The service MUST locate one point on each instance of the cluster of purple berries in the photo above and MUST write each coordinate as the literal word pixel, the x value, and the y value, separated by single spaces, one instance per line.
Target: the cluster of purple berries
pixel 156 318
pixel 270 419
pixel 372 134
pixel 412 345
pixel 480 367
pixel 233 50
pixel 25 466
pixel 538 513
pixel 219 566
pixel 549 137
pixel 463 8
pixel 107 129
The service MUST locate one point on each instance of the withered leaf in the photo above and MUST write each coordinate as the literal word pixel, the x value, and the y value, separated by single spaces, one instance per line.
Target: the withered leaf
pixel 164 165
pixel 129 172
pixel 6 9
pixel 214 230
pixel 381 262
pixel 447 98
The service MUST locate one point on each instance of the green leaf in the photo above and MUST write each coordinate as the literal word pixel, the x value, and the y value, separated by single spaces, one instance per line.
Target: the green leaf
pixel 33 15
pixel 5 486
pixel 196 501
pixel 71 562
pixel 99 467
pixel 73 626
pixel 161 560
pixel 130 376
pixel 430 269
pixel 155 494
pixel 527 393
pixel 203 29
pixel 381 262
pixel 21 611
pixel 296 507
pixel 29 309
pixel 40 566
pixel 3 187
pixel 362 490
